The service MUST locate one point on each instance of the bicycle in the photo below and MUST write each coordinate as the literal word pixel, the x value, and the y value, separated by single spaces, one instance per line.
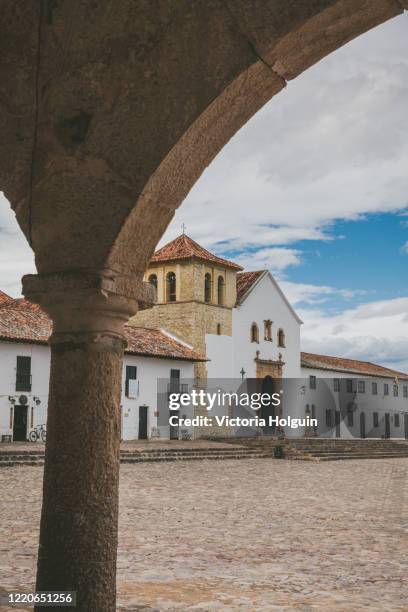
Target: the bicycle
pixel 38 433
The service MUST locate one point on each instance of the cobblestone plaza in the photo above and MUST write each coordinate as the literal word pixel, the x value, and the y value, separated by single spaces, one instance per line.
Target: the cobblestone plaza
pixel 255 534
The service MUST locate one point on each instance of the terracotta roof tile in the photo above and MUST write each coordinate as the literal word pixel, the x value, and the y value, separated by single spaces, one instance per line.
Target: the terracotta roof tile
pixel 21 321
pixel 4 298
pixel 155 343
pixel 24 325
pixel 21 304
pixel 351 366
pixel 183 247
pixel 245 280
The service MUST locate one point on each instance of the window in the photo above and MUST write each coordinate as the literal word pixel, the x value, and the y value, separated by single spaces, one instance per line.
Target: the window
pixel 386 389
pixel 375 419
pixel 268 330
pixel 396 420
pixel 153 281
pixel 329 418
pixel 336 384
pixel 174 381
pixel 23 374
pixel 405 391
pixel 312 382
pixel 171 287
pixel 361 386
pixel 221 290
pixel 131 374
pixel 374 388
pixel 395 390
pixel 207 288
pixel 281 338
pixel 219 329
pixel 254 333
pixel 349 385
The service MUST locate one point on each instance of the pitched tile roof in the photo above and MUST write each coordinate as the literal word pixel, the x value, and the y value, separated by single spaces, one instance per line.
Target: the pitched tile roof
pixel 21 321
pixel 351 366
pixel 245 281
pixel 156 343
pixel 4 298
pixel 24 325
pixel 183 247
pixel 20 304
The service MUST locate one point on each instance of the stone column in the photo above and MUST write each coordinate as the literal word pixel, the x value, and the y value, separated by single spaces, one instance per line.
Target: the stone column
pixel 79 520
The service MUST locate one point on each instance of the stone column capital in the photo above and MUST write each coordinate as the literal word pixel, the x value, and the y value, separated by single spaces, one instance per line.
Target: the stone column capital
pixel 85 303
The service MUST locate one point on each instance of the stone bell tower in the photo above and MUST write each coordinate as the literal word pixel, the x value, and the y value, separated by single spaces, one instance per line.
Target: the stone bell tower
pixel 196 292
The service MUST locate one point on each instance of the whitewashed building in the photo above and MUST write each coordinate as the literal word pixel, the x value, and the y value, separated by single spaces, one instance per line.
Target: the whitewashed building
pixel 214 325
pixel 351 398
pixel 247 329
pixel 25 365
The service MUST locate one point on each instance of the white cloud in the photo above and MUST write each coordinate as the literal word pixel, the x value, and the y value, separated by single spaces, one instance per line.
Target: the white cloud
pixel 404 248
pixel 375 331
pixel 16 257
pixel 274 259
pixel 298 293
pixel 330 146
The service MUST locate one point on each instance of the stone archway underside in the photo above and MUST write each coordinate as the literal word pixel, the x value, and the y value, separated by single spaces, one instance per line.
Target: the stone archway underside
pixel 109 112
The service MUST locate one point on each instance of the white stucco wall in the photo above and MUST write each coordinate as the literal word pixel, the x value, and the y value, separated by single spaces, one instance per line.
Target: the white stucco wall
pixel 263 303
pixel 220 354
pixel 149 370
pixel 325 398
pixel 40 366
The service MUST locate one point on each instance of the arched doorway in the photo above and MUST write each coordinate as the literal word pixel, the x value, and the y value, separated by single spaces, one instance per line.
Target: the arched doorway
pixel 267 412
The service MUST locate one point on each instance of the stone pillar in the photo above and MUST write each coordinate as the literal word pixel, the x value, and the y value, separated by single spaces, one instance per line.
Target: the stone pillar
pixel 79 520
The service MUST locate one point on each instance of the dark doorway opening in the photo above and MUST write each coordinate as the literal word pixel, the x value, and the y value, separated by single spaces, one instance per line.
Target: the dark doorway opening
pixel 268 386
pixel 406 425
pixel 387 431
pixel 362 425
pixel 20 423
pixel 143 419
pixel 337 422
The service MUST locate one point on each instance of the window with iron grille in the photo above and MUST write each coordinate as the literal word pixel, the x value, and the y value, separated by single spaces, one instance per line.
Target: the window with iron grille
pixel 395 390
pixel 386 389
pixel 336 384
pixel 349 385
pixel 374 388
pixel 312 382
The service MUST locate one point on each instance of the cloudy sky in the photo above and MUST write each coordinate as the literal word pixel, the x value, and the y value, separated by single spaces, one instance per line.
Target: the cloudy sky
pixel 315 188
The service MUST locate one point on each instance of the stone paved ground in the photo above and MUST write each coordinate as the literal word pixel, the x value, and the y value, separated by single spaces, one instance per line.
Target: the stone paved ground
pixel 258 534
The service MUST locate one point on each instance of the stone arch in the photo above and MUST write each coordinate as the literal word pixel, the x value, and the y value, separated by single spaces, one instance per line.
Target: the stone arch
pixel 121 131
pixel 109 114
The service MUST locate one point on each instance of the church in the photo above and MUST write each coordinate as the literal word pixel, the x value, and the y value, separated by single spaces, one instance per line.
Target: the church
pixel 248 331
pixel 213 326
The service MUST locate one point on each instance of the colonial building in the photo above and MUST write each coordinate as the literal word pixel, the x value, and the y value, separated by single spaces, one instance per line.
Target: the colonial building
pixel 245 326
pixel 351 398
pixel 213 325
pixel 151 354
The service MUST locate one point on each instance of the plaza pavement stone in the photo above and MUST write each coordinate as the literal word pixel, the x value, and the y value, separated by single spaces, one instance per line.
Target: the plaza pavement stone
pixel 257 534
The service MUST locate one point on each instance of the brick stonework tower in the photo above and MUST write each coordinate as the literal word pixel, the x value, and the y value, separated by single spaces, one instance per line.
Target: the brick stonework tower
pixel 196 292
